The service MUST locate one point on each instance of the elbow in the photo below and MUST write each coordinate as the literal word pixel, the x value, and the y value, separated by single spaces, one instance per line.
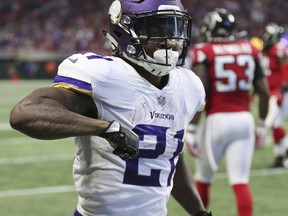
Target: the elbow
pixel 18 118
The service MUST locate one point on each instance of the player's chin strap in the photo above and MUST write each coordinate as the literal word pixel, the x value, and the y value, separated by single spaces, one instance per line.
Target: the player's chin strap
pixel 111 39
pixel 157 65
pixel 153 66
pixel 163 61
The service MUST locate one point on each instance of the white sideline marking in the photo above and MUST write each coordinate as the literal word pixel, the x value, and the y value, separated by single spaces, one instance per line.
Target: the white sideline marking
pixel 71 188
pixel 35 159
pixel 258 173
pixel 34 191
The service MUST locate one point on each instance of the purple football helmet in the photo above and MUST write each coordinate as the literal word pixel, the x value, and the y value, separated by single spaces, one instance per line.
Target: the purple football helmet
pixel 138 23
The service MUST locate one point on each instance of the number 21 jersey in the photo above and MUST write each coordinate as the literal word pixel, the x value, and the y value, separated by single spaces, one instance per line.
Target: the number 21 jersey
pixel 106 184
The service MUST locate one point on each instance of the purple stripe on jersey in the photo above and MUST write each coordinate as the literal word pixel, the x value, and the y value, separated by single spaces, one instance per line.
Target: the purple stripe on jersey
pixel 80 84
pixel 99 57
pixel 76 213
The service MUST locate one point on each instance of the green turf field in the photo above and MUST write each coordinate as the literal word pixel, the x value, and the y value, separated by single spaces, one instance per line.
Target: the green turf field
pixel 36 175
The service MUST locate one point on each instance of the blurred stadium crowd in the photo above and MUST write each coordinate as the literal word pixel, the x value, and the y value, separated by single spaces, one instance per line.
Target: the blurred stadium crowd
pixel 52 25
pixel 70 26
pixel 35 35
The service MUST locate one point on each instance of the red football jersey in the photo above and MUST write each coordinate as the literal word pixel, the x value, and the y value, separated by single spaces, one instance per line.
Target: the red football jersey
pixel 232 68
pixel 273 67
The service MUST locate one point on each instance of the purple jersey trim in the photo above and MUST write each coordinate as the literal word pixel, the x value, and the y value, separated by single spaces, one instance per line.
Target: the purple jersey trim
pixel 76 213
pixel 71 81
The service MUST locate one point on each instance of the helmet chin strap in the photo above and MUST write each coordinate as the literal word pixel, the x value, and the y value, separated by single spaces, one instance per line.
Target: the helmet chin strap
pixel 114 43
pixel 169 62
pixel 152 64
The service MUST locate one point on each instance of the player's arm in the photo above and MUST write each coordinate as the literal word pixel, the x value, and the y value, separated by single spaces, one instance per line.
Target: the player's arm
pixel 262 89
pixel 53 113
pixel 201 71
pixel 284 70
pixel 184 190
pixel 190 137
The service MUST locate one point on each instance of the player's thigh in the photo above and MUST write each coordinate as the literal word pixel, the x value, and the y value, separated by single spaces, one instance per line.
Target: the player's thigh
pixel 212 146
pixel 226 128
pixel 238 160
pixel 203 169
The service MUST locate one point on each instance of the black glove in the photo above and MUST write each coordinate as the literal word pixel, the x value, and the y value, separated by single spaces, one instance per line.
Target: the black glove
pixel 203 213
pixel 124 141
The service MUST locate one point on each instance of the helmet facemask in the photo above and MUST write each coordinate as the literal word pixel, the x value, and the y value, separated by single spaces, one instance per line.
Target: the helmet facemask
pixel 155 40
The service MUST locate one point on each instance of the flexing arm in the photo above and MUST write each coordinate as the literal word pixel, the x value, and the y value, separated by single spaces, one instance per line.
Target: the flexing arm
pixel 53 113
pixel 262 89
pixel 184 190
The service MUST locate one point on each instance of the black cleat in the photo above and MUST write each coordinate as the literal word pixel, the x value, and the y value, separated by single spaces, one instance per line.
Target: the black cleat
pixel 278 162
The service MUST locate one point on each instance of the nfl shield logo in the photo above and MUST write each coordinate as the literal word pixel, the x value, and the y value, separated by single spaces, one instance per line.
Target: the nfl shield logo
pixel 161 100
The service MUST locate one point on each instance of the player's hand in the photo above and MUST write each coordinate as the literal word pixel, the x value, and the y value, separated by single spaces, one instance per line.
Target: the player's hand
pixel 124 141
pixel 280 99
pixel 190 140
pixel 203 213
pixel 260 135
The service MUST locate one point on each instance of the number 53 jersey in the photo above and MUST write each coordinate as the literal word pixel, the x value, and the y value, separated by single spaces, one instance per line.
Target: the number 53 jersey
pixel 106 184
pixel 232 66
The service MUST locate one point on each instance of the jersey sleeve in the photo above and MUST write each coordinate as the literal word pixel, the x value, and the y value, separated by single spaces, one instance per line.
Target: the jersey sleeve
pixel 258 56
pixel 202 95
pixel 196 97
pixel 281 51
pixel 198 54
pixel 72 75
pixel 78 71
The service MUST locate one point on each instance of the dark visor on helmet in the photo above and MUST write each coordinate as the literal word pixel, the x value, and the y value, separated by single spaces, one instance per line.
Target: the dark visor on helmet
pixel 163 26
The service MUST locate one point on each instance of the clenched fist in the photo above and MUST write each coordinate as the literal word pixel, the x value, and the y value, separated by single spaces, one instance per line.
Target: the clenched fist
pixel 124 141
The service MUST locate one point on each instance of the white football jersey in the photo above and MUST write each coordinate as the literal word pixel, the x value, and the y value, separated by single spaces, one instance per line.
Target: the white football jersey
pixel 107 185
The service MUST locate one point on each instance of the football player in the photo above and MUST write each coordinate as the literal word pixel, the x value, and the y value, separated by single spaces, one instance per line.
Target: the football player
pixel 229 69
pixel 128 113
pixel 275 65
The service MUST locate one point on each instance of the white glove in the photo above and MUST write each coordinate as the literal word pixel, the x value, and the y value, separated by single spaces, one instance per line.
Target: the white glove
pixel 190 140
pixel 260 134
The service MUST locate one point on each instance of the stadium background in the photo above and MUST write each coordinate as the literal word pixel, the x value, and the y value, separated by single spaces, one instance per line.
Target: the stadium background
pixel 35 35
